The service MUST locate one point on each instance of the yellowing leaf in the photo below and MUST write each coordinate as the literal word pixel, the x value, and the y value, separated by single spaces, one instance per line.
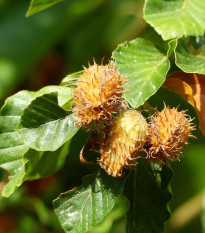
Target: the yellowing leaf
pixel 192 88
pixel 181 88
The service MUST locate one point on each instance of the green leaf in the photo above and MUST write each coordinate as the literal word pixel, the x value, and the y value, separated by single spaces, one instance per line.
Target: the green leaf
pixel 64 93
pixel 40 164
pixel 39 5
pixel 12 149
pixel 82 208
pixel 176 18
pixel 143 66
pixel 70 79
pixel 172 46
pixel 187 61
pixel 44 126
pixel 116 216
pixel 148 195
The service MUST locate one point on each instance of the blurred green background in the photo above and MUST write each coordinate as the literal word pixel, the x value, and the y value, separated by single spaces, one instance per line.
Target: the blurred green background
pixel 44 48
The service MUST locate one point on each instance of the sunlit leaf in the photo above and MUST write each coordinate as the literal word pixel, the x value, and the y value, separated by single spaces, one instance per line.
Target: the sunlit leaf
pixel 39 5
pixel 40 164
pixel 172 46
pixel 70 79
pixel 147 191
pixel 192 88
pixel 143 66
pixel 187 61
pixel 12 149
pixel 116 215
pixel 173 19
pixel 44 126
pixel 34 165
pixel 82 208
pixel 181 88
pixel 64 93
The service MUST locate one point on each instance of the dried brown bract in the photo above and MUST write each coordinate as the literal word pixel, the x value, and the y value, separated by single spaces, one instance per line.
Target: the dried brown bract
pixel 168 132
pixel 98 95
pixel 125 140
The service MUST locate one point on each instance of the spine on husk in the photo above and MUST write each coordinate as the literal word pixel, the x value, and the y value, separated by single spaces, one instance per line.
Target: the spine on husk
pixel 98 95
pixel 168 133
pixel 122 145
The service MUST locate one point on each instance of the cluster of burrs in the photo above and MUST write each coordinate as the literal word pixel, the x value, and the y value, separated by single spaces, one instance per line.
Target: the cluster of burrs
pixel 123 132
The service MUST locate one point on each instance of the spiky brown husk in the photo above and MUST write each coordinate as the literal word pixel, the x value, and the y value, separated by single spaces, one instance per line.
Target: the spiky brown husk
pixel 123 143
pixel 168 132
pixel 98 95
